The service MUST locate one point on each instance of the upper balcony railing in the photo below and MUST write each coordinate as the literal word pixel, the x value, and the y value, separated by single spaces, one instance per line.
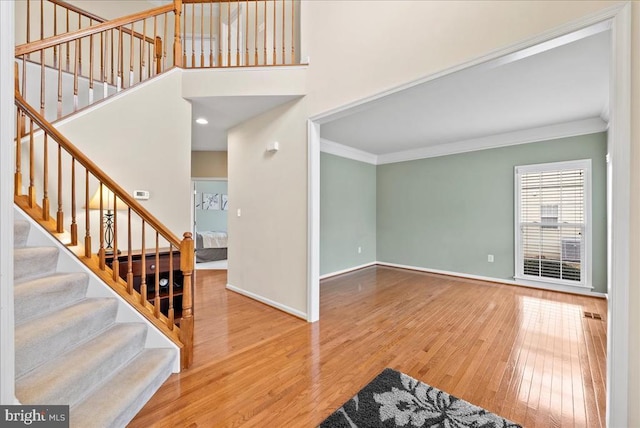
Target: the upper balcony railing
pixel 73 58
pixel 239 33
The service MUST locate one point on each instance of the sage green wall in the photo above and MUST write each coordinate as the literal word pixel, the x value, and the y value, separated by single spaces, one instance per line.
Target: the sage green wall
pixel 347 213
pixel 450 212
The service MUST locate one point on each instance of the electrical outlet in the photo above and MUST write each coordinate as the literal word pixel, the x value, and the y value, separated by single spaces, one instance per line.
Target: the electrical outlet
pixel 490 258
pixel 359 250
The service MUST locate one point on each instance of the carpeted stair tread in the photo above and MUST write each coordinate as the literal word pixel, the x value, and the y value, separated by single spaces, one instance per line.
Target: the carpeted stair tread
pixel 70 377
pixel 37 296
pixel 20 232
pixel 120 398
pixel 33 262
pixel 48 336
pixel 68 348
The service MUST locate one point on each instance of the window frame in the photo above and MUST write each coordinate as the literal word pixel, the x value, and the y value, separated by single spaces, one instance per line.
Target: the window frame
pixel 586 266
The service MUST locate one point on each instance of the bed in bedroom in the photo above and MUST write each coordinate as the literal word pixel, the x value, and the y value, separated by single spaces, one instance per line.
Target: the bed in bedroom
pixel 210 246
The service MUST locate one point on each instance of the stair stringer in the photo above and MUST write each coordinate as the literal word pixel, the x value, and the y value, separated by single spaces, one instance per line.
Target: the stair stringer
pixel 85 98
pixel 68 262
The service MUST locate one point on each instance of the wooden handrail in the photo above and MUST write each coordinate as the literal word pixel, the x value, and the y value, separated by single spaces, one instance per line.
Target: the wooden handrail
pixel 96 171
pixel 49 42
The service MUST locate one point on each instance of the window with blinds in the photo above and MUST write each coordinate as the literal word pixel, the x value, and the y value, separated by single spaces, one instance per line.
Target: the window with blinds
pixel 552 222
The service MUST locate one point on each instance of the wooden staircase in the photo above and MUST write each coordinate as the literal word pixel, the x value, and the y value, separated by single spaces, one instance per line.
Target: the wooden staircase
pixel 70 348
pixel 71 59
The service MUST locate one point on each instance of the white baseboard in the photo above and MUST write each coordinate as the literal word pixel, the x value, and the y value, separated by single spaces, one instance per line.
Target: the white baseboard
pixel 269 302
pixel 543 286
pixel 351 269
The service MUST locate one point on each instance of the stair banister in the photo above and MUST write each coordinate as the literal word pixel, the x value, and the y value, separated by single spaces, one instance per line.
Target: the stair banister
pixel 49 42
pixel 184 334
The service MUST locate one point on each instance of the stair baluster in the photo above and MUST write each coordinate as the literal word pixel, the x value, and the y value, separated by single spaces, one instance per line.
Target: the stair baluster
pixel 32 187
pixel 59 212
pixel 45 180
pixel 87 217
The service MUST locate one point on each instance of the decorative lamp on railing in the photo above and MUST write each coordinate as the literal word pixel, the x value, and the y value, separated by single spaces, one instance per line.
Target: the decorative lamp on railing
pixel 107 206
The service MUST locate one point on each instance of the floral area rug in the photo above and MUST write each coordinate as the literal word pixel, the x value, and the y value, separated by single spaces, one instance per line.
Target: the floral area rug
pixel 394 399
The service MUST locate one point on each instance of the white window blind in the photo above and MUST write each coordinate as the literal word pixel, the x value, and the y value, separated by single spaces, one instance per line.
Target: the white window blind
pixel 551 222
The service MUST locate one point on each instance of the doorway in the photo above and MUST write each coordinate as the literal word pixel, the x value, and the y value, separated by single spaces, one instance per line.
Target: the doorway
pixel 210 209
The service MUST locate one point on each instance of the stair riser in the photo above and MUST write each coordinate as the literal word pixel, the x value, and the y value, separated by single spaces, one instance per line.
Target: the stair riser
pixel 20 233
pixel 36 298
pixel 69 378
pixel 34 262
pixel 37 342
pixel 119 399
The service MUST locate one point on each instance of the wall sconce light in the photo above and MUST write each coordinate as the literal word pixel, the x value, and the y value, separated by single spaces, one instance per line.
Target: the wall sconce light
pixel 273 147
pixel 107 206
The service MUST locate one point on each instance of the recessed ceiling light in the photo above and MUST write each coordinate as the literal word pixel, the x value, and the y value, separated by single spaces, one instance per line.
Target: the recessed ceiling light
pixel 202 121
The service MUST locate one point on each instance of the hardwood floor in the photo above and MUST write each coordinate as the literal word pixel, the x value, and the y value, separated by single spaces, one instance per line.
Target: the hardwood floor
pixel 528 355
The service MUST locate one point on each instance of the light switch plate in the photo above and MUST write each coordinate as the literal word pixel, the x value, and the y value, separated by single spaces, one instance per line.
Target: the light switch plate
pixel 141 194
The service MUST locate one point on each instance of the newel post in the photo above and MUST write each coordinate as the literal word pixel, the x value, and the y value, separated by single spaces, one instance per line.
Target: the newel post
pixel 158 54
pixel 186 323
pixel 177 42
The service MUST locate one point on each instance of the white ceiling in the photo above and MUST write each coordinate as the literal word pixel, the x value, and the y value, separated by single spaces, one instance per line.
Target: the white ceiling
pixel 561 84
pixel 224 113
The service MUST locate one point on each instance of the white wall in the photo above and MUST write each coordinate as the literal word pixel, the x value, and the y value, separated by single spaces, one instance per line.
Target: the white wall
pixel 147 147
pixel 267 244
pixel 252 81
pixel 634 253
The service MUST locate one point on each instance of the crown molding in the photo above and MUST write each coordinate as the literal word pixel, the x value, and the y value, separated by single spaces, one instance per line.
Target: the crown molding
pixel 333 148
pixel 544 133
